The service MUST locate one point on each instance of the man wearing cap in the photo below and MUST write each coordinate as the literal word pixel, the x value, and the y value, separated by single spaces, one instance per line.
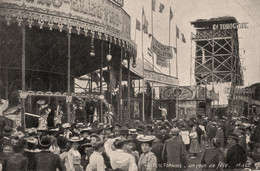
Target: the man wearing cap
pixel 46 160
pixel 118 158
pixel 236 155
pixel 174 152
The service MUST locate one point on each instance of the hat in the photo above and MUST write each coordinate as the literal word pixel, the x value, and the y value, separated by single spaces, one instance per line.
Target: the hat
pixel 66 125
pixel 141 128
pixel 174 131
pixel 145 138
pixel 118 124
pixel 132 131
pixel 45 141
pixel 94 135
pixel 86 145
pixel 7 130
pixel 80 125
pixel 150 128
pixel 88 129
pixel 32 140
pixel 233 136
pixel 108 127
pixel 75 139
pixel 62 142
pixel 163 127
pixel 40 102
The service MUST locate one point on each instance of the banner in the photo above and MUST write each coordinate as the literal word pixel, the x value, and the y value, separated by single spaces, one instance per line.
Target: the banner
pixel 160 78
pixel 161 61
pixel 161 50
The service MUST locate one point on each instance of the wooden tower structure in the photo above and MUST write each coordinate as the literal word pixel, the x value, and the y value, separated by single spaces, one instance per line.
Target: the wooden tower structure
pixel 217 52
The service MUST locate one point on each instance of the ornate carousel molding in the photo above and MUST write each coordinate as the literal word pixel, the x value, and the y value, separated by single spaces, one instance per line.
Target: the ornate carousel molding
pixel 42 18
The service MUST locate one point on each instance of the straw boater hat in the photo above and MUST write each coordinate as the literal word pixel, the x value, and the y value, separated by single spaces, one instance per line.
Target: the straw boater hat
pixel 66 125
pixel 88 129
pixel 146 139
pixel 32 140
pixel 75 139
pixel 132 131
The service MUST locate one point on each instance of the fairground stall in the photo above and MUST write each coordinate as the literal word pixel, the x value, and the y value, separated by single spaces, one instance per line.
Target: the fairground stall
pixel 47 44
pixel 191 101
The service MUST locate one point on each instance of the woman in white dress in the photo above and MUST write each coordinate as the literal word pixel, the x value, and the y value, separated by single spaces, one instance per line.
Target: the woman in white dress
pixel 74 156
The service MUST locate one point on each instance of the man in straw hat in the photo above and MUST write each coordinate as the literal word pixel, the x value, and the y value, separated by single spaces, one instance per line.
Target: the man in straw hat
pixel 174 152
pixel 46 160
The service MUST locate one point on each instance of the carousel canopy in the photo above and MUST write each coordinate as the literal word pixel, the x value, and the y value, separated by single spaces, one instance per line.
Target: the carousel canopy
pixel 100 17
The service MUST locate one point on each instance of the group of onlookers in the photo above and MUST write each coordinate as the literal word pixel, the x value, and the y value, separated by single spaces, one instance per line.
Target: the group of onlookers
pixel 216 144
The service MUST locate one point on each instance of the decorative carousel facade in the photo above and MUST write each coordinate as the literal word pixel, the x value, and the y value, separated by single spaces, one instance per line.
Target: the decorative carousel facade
pixel 47 44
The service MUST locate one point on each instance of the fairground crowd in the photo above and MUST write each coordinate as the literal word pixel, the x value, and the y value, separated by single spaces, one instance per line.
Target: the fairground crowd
pixel 218 144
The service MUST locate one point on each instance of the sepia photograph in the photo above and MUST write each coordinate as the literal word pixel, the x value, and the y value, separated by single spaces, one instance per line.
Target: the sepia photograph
pixel 129 85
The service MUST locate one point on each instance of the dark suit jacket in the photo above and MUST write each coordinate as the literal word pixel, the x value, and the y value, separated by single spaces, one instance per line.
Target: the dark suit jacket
pixel 46 160
pixel 235 155
pixel 16 163
pixel 157 150
pixel 174 151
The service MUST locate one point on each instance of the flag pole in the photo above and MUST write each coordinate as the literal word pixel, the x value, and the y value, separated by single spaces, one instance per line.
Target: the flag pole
pixel 176 54
pixel 190 58
pixel 135 30
pixel 177 96
pixel 170 43
pixel 143 60
pixel 153 61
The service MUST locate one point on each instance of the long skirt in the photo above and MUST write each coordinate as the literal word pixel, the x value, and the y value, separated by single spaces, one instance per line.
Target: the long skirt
pixel 194 145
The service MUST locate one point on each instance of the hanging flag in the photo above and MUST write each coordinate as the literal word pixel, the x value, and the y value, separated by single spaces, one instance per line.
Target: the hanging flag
pixel 138 25
pixel 175 49
pixel 193 36
pixel 149 50
pixel 153 4
pixel 171 14
pixel 161 8
pixel 177 32
pixel 145 24
pixel 183 38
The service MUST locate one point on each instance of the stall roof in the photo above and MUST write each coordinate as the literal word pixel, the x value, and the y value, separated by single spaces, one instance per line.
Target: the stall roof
pixel 205 23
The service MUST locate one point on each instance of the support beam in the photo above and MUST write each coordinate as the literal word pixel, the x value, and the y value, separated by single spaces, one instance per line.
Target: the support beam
pixel 68 79
pixel 128 85
pixel 23 77
pixel 101 79
pixel 120 85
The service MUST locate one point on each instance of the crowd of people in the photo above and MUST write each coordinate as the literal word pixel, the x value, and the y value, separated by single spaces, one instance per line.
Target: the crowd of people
pixel 218 144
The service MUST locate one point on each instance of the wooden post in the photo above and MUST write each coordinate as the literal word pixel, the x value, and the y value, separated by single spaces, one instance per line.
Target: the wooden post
pixel 68 79
pixel 101 81
pixel 128 85
pixel 23 77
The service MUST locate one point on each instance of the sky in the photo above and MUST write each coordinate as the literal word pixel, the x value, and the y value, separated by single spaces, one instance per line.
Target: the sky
pixel 185 11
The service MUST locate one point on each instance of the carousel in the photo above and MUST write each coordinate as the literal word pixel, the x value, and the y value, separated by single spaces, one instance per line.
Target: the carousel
pixel 47 44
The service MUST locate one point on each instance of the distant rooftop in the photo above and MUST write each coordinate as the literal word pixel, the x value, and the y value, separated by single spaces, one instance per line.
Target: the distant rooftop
pixel 207 23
